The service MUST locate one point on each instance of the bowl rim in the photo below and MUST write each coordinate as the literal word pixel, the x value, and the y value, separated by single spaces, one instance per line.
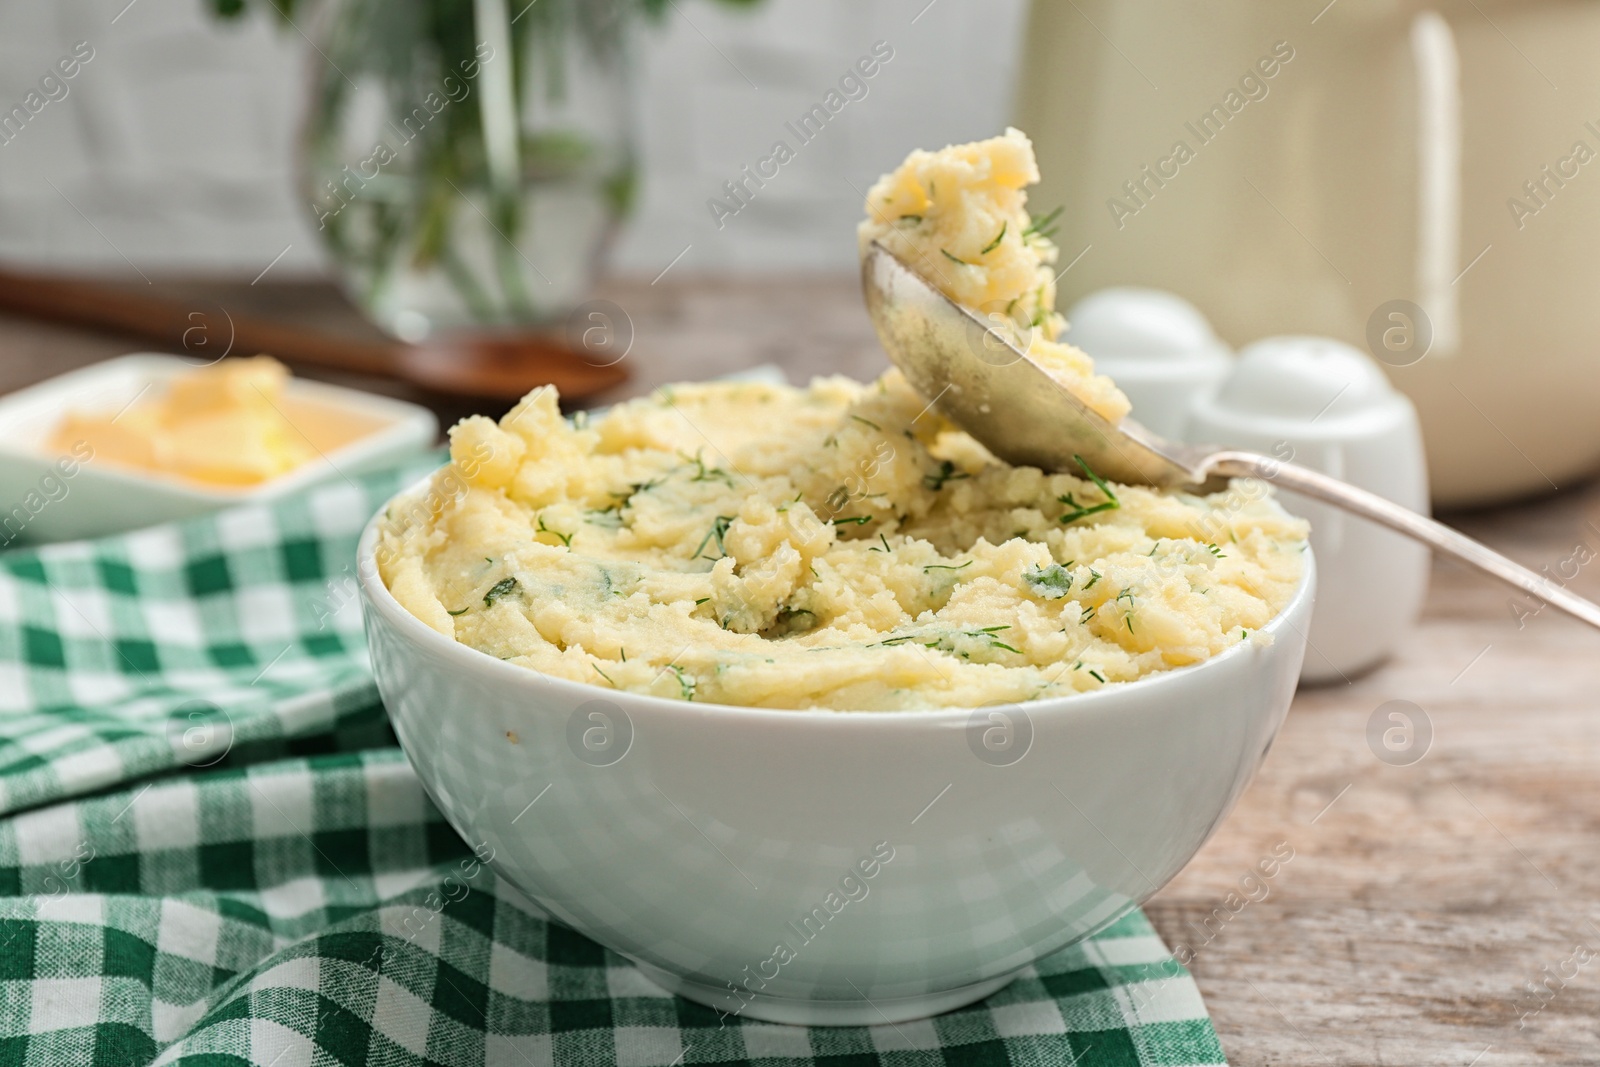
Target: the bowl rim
pixel 376 597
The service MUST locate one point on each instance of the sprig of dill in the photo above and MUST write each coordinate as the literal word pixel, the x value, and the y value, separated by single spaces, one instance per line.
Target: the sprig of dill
pixel 1080 511
pixel 1045 225
pixel 686 683
pixel 994 244
pixel 719 527
pixel 566 539
pixel 947 472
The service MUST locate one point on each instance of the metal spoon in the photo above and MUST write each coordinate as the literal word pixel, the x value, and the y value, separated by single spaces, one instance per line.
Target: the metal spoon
pixel 989 387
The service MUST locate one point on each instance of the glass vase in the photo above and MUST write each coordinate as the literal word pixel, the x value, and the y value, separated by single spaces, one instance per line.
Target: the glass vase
pixel 467 162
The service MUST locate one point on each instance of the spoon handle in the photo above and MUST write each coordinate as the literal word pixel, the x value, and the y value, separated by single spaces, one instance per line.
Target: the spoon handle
pixel 1436 535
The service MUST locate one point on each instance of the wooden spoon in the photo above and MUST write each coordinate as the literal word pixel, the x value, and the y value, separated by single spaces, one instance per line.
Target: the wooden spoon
pixel 500 366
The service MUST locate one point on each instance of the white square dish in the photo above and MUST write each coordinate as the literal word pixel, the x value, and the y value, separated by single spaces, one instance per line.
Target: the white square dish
pixel 45 496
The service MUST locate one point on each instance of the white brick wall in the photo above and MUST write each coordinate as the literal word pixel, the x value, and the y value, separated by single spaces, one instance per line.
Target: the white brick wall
pixel 174 140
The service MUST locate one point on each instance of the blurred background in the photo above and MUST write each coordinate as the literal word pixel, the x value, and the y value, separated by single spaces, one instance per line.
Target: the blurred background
pixel 1407 178
pixel 178 141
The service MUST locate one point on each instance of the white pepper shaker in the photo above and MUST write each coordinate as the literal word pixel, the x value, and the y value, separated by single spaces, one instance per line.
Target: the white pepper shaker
pixel 1156 346
pixel 1325 405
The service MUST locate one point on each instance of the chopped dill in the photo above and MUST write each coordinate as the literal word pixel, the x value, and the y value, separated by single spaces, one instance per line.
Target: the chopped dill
pixel 1008 648
pixel 868 422
pixel 702 600
pixel 1051 583
pixel 893 640
pixel 787 617
pixel 1045 225
pixel 947 566
pixel 1040 312
pixel 626 499
pixel 913 219
pixel 852 520
pixel 885 547
pixel 1095 577
pixel 719 527
pixel 1099 677
pixel 1215 551
pixel 602 673
pixel 566 539
pixel 1079 511
pixel 708 474
pixel 994 244
pixel 498 590
pixel 947 472
pixel 463 611
pixel 955 259
pixel 685 684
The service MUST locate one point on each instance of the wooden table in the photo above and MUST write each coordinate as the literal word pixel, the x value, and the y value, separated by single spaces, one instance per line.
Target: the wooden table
pixel 1421 900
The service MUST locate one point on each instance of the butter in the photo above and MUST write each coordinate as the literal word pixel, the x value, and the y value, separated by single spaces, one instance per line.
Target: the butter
pixel 222 425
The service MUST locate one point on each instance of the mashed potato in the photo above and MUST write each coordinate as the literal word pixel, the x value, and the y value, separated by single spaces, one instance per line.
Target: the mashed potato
pixel 958 218
pixel 838 546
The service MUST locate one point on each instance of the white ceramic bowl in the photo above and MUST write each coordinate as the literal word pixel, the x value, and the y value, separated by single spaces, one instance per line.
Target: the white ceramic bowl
pixel 697 839
pixel 46 497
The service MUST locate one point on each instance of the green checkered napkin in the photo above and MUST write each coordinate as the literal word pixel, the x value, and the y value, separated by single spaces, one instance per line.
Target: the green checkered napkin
pixel 212 852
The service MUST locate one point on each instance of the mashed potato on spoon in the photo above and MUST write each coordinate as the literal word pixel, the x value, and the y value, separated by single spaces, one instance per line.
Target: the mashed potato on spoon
pixel 958 217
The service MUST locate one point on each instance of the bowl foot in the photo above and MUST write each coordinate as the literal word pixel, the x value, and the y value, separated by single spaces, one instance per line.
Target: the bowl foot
pixel 801 1012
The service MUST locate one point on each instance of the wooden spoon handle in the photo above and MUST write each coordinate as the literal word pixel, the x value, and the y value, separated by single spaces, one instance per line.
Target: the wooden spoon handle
pixel 199 328
pixel 506 368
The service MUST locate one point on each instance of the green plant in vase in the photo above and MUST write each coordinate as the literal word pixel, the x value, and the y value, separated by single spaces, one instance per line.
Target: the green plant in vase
pixel 466 162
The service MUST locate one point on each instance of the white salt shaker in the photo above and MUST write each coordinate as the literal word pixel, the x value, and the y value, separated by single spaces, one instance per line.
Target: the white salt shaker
pixel 1156 346
pixel 1325 405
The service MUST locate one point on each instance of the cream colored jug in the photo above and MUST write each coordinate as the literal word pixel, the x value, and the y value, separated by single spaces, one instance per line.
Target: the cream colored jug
pixel 1421 180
